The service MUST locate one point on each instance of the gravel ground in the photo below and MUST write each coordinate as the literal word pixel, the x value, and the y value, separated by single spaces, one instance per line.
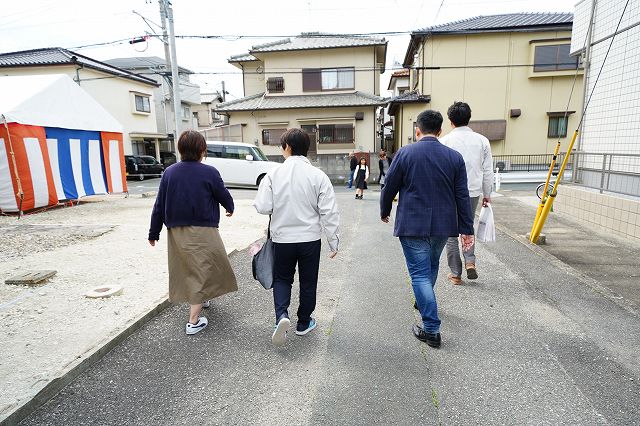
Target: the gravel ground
pixel 46 329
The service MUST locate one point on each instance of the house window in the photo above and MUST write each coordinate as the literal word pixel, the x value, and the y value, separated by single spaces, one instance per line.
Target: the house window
pixel 557 126
pixel 554 58
pixel 335 133
pixel 316 79
pixel 275 84
pixel 142 103
pixel 186 115
pixel 272 136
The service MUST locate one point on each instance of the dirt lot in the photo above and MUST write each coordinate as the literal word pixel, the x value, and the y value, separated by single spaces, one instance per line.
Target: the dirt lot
pixel 102 242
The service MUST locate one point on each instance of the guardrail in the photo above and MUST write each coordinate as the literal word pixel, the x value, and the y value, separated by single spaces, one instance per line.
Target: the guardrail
pixel 608 172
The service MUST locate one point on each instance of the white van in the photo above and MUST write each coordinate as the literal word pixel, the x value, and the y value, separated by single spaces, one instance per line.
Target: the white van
pixel 239 164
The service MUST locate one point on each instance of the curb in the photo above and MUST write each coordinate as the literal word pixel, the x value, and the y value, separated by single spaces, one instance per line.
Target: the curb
pixel 82 364
pixel 585 279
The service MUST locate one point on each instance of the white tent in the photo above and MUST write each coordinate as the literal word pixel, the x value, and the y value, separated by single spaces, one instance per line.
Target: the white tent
pixel 56 143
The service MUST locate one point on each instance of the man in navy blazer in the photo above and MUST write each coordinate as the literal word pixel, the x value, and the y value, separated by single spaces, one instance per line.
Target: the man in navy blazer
pixel 434 205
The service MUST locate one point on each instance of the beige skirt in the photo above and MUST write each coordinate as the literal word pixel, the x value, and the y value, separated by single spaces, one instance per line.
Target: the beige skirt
pixel 199 267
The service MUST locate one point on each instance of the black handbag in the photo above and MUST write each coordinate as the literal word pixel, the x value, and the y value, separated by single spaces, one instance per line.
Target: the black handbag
pixel 263 260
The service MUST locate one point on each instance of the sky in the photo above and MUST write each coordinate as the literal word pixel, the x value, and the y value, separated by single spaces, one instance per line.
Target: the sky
pixel 74 24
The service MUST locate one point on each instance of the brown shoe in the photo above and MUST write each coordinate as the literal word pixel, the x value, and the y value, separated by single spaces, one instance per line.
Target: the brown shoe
pixel 472 274
pixel 456 280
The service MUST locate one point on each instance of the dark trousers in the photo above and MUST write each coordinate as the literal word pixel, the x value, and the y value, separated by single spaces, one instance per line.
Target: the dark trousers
pixel 307 257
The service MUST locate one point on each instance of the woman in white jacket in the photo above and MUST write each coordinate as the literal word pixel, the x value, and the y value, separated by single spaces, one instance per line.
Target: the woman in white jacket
pixel 360 177
pixel 300 199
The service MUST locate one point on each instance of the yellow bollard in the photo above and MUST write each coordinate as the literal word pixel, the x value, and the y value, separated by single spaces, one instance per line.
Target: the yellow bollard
pixel 546 186
pixel 548 203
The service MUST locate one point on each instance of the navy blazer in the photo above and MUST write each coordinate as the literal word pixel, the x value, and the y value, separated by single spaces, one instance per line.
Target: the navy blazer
pixel 434 199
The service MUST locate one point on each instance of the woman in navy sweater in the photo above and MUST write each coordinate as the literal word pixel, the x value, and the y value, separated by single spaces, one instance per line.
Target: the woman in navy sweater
pixel 188 204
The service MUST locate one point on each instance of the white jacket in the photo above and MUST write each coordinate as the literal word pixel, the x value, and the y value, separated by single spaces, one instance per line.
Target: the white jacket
pixel 476 152
pixel 300 199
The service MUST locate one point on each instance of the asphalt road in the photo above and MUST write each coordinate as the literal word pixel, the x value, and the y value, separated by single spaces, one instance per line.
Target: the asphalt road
pixel 521 345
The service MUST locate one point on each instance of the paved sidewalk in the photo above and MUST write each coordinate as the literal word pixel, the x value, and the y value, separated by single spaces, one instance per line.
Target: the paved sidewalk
pixel 49 330
pixel 529 342
pixel 611 264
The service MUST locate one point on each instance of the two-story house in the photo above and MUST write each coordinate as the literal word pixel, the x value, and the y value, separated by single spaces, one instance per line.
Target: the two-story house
pixel 126 96
pixel 205 112
pixel 155 68
pixel 328 85
pixel 514 70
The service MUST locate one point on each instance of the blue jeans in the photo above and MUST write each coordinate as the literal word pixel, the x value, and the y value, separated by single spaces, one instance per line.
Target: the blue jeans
pixel 350 183
pixel 422 255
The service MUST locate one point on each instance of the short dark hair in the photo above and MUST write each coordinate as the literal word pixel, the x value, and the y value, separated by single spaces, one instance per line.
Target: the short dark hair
pixel 363 158
pixel 191 145
pixel 297 139
pixel 429 121
pixel 459 113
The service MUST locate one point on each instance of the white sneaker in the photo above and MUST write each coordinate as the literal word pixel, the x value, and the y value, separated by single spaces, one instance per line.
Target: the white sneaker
pixel 195 328
pixel 279 336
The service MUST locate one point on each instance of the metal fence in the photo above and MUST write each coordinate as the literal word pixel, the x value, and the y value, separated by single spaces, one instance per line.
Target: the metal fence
pixel 528 163
pixel 619 173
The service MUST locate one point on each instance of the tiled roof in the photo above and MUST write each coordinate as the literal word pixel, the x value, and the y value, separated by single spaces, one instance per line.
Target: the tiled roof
pixel 245 57
pixel 261 102
pixel 401 73
pixel 60 56
pixel 207 98
pixel 317 41
pixel 143 62
pixel 408 98
pixel 493 23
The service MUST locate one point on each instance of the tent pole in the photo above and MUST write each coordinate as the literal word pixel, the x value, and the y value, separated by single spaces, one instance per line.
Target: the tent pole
pixel 20 193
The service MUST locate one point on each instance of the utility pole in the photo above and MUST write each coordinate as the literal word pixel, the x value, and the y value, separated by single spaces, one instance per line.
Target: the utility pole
pixel 224 96
pixel 166 14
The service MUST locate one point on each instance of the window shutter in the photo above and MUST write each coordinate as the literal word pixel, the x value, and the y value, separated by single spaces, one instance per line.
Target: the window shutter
pixel 311 80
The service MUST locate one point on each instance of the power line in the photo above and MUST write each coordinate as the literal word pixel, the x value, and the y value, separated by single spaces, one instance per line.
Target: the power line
pixel 284 71
pixel 235 37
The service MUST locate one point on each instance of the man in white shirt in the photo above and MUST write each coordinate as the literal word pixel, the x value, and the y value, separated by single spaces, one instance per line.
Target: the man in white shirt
pixel 476 152
pixel 300 199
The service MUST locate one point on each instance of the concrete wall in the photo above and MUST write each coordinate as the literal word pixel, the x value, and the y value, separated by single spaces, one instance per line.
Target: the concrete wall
pixel 608 212
pixel 493 92
pixel 116 95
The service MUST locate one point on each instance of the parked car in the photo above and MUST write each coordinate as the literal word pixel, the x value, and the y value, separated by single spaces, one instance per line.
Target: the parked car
pixel 167 158
pixel 142 166
pixel 239 164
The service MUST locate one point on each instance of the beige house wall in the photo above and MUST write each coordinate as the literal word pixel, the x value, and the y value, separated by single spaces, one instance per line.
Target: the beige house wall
pixel 493 92
pixel 289 65
pixel 254 123
pixel 116 95
pixel 253 77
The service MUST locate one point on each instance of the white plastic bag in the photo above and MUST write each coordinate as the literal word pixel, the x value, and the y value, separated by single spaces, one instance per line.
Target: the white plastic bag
pixel 486 227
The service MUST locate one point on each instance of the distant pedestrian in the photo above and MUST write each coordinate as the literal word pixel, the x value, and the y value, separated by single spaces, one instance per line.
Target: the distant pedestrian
pixel 300 199
pixel 353 163
pixel 434 205
pixel 476 152
pixel 360 177
pixel 383 165
pixel 188 204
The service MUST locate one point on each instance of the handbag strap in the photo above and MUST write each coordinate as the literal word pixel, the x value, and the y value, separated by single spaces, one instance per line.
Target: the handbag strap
pixel 269 229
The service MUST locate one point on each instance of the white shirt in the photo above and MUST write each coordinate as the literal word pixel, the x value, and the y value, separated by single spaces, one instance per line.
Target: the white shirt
pixel 366 172
pixel 300 199
pixel 476 152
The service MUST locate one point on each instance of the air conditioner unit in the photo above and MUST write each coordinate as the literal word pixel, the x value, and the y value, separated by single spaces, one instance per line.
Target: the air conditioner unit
pixel 503 165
